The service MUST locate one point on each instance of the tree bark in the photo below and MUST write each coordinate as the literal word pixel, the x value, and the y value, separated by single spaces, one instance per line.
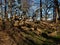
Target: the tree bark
pixel 56 11
pixel 10 7
pixel 41 10
pixel 6 15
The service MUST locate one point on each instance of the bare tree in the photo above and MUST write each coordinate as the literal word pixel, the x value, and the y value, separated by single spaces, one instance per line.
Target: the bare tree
pixel 40 9
pixel 56 10
pixel 10 6
pixel 47 6
pixel 25 6
pixel 5 10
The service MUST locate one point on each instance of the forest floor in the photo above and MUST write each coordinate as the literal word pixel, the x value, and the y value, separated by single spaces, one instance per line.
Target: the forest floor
pixel 31 33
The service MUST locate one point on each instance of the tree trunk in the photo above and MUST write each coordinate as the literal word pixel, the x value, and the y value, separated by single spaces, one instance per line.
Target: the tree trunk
pixel 56 11
pixel 10 7
pixel 40 9
pixel 46 15
pixel 6 15
pixel 46 8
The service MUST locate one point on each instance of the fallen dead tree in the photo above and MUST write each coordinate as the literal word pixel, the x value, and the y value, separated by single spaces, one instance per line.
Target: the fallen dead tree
pixel 48 25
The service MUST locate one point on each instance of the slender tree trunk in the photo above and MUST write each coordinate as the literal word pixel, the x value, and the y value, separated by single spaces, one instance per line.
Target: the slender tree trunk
pixel 10 7
pixel 6 15
pixel 41 10
pixel 1 8
pixel 46 15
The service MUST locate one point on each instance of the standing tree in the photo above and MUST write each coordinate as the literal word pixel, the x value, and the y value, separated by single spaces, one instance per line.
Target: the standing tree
pixel 47 7
pixel 56 10
pixel 25 6
pixel 10 7
pixel 6 16
pixel 0 7
pixel 40 9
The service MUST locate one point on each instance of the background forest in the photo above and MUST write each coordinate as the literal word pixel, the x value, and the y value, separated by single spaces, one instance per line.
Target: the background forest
pixel 29 22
